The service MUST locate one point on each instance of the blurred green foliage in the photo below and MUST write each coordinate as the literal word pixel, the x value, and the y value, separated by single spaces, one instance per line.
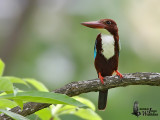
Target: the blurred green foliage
pixel 11 96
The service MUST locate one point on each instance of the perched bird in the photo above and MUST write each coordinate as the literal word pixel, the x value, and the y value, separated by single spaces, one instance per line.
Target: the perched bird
pixel 106 53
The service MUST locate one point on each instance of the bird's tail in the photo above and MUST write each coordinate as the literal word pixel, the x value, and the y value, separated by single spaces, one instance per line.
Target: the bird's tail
pixel 102 100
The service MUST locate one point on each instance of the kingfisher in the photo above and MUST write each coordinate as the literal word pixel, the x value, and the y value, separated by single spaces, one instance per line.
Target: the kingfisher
pixel 106 53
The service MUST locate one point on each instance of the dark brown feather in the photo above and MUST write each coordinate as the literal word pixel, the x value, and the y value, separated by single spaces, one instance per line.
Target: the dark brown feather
pixel 106 66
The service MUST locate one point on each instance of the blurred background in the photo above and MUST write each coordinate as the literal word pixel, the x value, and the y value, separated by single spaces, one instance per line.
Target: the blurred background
pixel 43 39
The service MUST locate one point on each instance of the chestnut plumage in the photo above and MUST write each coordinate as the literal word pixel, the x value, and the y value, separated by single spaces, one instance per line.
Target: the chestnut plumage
pixel 106 53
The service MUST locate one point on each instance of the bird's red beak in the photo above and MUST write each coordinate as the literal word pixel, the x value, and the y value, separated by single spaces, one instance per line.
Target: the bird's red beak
pixel 93 24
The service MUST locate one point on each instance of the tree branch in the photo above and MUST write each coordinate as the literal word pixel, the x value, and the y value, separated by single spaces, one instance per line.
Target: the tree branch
pixel 76 88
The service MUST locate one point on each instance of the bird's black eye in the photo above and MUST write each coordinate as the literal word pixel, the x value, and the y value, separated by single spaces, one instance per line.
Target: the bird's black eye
pixel 108 22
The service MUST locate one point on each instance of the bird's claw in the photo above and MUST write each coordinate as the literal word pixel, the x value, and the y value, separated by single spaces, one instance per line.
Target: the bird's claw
pixel 119 74
pixel 101 78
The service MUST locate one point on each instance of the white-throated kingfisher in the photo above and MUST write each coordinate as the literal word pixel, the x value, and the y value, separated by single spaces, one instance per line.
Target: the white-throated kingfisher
pixel 106 53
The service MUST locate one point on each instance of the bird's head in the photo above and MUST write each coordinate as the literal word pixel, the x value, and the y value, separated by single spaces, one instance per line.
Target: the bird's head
pixel 103 24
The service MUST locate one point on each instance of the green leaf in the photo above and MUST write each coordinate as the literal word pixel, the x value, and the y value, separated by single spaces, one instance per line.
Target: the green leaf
pixel 38 85
pixel 86 102
pixel 19 103
pixel 55 109
pixel 3 93
pixel 2 66
pixel 87 114
pixel 16 80
pixel 5 84
pixel 14 115
pixel 4 103
pixel 56 118
pixel 80 99
pixel 44 97
pixel 66 108
pixel 44 114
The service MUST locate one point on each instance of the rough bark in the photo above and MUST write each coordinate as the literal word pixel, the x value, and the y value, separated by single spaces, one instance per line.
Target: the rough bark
pixel 76 88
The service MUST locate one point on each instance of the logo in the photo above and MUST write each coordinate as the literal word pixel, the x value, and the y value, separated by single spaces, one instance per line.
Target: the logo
pixel 143 111
pixel 136 109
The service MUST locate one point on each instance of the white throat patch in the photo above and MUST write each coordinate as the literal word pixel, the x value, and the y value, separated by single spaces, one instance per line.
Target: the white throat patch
pixel 107 45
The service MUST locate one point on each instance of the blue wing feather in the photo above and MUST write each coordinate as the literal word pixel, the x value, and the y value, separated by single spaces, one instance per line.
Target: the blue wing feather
pixel 95 50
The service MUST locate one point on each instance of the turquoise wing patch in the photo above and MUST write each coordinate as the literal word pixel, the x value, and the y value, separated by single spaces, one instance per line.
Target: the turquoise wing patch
pixel 95 50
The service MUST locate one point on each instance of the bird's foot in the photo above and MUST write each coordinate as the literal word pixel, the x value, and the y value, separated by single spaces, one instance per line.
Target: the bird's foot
pixel 101 78
pixel 119 74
